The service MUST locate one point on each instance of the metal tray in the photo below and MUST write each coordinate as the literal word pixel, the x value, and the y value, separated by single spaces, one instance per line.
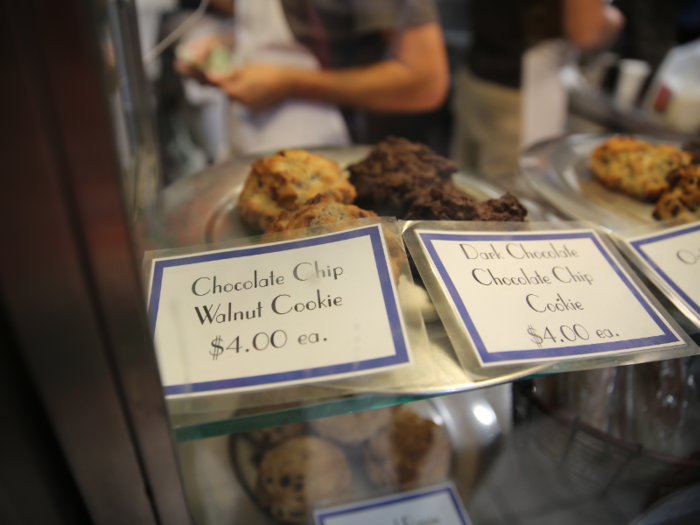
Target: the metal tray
pixel 201 209
pixel 219 473
pixel 224 222
pixel 558 170
pixel 246 455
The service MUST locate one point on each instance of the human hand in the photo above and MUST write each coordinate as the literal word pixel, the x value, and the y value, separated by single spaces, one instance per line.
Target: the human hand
pixel 257 86
pixel 195 56
pixel 188 70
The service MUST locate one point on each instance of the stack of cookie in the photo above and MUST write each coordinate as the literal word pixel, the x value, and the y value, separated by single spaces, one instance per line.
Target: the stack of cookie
pixel 658 173
pixel 296 189
pixel 681 201
pixel 287 180
pixel 411 182
pixel 323 463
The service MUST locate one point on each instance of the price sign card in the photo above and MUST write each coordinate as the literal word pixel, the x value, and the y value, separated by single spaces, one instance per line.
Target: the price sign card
pixel 524 296
pixel 672 260
pixel 240 319
pixel 430 506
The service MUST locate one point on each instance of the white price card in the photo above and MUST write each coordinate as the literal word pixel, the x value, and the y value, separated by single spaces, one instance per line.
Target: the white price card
pixel 276 314
pixel 674 258
pixel 543 296
pixel 429 506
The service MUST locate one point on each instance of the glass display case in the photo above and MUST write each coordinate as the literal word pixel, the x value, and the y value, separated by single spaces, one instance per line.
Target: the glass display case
pixel 116 164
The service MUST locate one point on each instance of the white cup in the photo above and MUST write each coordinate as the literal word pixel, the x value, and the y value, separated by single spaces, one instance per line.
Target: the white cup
pixel 632 75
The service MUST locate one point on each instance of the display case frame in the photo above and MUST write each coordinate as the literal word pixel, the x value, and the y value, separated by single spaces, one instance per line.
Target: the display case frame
pixel 70 285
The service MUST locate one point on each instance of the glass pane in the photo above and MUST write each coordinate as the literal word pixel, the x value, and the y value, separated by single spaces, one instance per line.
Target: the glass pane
pixel 257 138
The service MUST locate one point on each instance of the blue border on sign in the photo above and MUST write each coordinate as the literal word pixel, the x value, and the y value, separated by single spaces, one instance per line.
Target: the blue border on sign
pixel 529 354
pixel 322 516
pixel 637 245
pixel 385 277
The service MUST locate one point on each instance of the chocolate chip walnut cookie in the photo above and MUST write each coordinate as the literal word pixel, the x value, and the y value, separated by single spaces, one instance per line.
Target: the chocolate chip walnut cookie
pixel 319 212
pixel 287 179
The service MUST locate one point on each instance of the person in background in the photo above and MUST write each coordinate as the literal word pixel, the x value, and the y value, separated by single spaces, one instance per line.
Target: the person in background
pixel 488 100
pixel 295 59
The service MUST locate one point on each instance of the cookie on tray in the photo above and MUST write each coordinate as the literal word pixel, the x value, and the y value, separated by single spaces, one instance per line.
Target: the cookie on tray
pixel 353 429
pixel 319 212
pixel 395 172
pixel 412 451
pixel 682 200
pixel 300 473
pixel 636 167
pixel 287 179
pixel 447 203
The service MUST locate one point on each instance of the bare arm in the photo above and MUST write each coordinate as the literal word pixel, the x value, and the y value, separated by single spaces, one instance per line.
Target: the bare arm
pixel 415 79
pixel 591 24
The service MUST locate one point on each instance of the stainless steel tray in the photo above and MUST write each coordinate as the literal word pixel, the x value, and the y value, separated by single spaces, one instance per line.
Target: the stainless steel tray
pixel 218 494
pixel 558 170
pixel 201 209
pixel 246 456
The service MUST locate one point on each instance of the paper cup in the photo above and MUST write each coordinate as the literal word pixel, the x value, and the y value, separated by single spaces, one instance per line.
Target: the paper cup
pixel 633 73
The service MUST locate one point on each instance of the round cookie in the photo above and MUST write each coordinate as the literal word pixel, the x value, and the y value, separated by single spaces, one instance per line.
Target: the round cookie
pixel 286 179
pixel 636 167
pixel 353 429
pixel 411 452
pixel 300 473
pixel 682 199
pixel 395 173
pixel 445 202
pixel 320 212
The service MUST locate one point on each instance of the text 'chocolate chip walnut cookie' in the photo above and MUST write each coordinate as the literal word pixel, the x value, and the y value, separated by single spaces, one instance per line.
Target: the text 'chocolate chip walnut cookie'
pixel 682 199
pixel 636 167
pixel 286 179
pixel 300 473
